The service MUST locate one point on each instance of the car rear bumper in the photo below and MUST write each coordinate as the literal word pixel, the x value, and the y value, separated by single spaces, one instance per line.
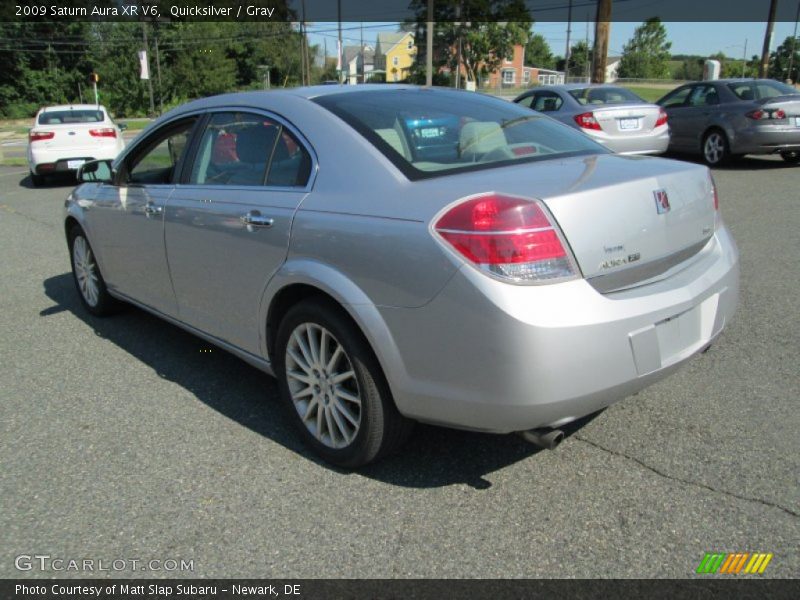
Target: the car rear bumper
pixel 769 141
pixel 650 143
pixel 43 160
pixel 489 356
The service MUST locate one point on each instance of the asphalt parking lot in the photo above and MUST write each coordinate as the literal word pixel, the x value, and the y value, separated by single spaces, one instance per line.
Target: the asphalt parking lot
pixel 128 438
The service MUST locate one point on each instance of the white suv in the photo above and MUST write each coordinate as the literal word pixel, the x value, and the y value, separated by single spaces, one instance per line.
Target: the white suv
pixel 65 137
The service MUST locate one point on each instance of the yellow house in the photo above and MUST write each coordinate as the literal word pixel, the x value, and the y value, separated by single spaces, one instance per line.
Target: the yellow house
pixel 394 54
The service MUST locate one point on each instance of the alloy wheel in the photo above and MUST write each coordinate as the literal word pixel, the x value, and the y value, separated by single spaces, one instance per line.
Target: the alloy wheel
pixel 323 385
pixel 86 271
pixel 714 148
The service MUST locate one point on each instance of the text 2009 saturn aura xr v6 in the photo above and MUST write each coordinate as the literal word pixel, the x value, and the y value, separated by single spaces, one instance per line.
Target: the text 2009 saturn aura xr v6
pixel 396 254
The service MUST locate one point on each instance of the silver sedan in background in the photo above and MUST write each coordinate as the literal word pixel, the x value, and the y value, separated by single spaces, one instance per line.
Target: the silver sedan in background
pixel 611 115
pixel 396 254
pixel 727 118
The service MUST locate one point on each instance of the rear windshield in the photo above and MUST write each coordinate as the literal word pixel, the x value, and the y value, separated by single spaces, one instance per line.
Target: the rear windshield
pixel 754 90
pixel 426 133
pixel 604 95
pixel 56 117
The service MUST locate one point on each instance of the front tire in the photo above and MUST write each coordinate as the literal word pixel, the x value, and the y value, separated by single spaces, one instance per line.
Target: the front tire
pixel 334 387
pixel 716 150
pixel 86 274
pixel 792 157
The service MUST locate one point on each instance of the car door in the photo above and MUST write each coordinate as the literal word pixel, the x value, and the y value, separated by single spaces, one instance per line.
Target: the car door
pixel 128 217
pixel 678 115
pixel 702 107
pixel 228 223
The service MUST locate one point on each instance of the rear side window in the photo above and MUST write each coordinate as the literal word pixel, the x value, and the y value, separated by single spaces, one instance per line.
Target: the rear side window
pixel 58 117
pixel 604 95
pixel 755 90
pixel 247 149
pixel 426 133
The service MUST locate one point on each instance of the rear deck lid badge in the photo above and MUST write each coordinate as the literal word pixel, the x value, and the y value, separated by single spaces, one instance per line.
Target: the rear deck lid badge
pixel 662 201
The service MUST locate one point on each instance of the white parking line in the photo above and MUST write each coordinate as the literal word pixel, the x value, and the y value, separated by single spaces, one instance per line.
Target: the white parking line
pixel 12 173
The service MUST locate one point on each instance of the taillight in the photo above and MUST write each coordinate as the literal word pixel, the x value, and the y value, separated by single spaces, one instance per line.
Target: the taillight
pixel 511 238
pixel 587 121
pixel 662 118
pixel 761 115
pixel 38 136
pixel 104 132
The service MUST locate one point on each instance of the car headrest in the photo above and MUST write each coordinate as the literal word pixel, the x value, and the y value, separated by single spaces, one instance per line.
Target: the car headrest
pixel 480 137
pixel 747 94
pixel 254 144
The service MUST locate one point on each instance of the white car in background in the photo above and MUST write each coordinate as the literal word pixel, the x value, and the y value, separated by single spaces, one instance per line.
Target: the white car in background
pixel 64 137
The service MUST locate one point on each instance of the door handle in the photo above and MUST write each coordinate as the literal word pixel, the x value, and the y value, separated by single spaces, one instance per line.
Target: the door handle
pixel 254 219
pixel 151 209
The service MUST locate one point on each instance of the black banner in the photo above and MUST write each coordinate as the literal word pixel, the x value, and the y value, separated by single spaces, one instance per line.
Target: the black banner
pixel 390 10
pixel 710 587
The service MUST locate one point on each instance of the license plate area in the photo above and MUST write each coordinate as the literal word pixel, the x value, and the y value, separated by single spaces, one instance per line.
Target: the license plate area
pixel 75 164
pixel 628 124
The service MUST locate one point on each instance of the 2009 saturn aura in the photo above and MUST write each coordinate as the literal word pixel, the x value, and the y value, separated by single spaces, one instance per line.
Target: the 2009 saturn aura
pixel 396 254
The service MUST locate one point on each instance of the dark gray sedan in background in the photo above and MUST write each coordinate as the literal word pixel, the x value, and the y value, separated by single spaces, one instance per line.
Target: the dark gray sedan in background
pixel 611 115
pixel 727 118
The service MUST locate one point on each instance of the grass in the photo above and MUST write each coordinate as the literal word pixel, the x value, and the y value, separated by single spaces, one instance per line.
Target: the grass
pixel 651 94
pixel 136 125
pixel 13 161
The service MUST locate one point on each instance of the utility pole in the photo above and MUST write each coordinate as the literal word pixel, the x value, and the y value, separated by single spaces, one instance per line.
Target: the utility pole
pixel 764 69
pixel 588 68
pixel 158 74
pixel 457 79
pixel 429 47
pixel 794 41
pixel 602 30
pixel 744 57
pixel 568 51
pixel 360 57
pixel 147 58
pixel 340 49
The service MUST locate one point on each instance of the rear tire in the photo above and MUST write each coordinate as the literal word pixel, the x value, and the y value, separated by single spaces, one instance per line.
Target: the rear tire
pixel 86 274
pixel 36 180
pixel 334 388
pixel 716 150
pixel 793 157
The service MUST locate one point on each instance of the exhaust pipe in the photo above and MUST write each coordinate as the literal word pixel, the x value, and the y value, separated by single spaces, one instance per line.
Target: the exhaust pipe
pixel 544 438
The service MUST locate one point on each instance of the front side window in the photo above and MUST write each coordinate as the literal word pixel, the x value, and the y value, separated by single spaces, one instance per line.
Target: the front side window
pixel 157 161
pixel 239 148
pixel 426 134
pixel 676 98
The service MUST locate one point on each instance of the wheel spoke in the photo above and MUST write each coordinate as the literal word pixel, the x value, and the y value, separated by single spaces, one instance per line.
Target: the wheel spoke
pixel 300 362
pixel 332 362
pixel 319 422
pixel 303 347
pixel 345 411
pixel 311 405
pixel 307 391
pixel 330 426
pixel 302 377
pixel 323 347
pixel 339 423
pixel 344 395
pixel 340 377
pixel 313 345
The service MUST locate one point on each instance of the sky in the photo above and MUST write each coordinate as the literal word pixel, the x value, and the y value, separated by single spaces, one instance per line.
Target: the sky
pixel 687 38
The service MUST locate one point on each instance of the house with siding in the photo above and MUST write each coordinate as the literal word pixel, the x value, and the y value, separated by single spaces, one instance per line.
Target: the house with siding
pixel 394 55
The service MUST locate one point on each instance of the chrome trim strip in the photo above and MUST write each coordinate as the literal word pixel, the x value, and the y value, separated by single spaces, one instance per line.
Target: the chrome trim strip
pixel 640 273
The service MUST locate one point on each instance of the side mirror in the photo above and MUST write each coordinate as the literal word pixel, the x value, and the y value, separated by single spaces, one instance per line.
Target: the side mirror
pixel 96 171
pixel 122 126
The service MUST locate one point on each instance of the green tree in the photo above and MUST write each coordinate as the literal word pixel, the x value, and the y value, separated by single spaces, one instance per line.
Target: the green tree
pixel 580 60
pixel 538 52
pixel 779 61
pixel 646 54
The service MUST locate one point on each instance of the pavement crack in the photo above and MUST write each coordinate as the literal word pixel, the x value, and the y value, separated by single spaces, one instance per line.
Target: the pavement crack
pixel 13 211
pixel 684 481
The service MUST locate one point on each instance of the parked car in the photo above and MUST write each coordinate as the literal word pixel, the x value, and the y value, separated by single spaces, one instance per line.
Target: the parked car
pixel 727 118
pixel 529 279
pixel 65 137
pixel 611 115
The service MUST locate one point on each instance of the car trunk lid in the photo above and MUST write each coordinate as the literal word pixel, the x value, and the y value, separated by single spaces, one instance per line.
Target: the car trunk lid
pixel 626 119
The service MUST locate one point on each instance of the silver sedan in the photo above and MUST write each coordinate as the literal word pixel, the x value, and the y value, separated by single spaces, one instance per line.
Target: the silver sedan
pixel 611 115
pixel 395 254
pixel 731 117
